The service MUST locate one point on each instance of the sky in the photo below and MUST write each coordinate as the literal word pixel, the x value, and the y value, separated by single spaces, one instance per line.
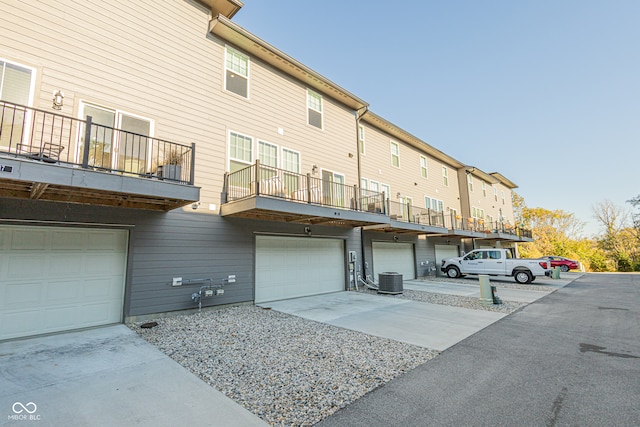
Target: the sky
pixel 546 92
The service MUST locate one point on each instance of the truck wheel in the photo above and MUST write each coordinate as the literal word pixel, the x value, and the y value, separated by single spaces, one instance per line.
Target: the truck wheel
pixel 523 277
pixel 453 272
pixel 564 268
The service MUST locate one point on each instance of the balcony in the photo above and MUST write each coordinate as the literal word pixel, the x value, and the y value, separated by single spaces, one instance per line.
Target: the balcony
pixel 478 228
pixel 48 156
pixel 267 193
pixel 408 219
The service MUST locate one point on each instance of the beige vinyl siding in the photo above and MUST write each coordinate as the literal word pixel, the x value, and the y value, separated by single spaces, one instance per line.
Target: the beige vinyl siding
pixel 86 52
pixel 376 166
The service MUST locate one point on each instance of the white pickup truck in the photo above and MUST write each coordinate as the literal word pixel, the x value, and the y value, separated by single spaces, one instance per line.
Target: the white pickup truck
pixel 496 262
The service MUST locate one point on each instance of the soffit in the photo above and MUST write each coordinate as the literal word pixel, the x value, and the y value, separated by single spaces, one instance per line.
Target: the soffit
pixel 480 174
pixel 255 47
pixel 226 8
pixel 503 180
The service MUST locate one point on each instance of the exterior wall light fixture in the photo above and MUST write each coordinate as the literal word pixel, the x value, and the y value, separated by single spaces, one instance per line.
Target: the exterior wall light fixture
pixel 58 99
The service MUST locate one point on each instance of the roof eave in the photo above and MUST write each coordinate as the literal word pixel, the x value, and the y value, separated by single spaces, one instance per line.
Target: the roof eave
pixel 396 132
pixel 229 31
pixel 503 180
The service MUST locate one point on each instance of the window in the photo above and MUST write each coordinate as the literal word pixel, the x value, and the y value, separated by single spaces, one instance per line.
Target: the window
pixel 268 156
pixel 423 166
pixel 127 149
pixel 503 199
pixel 470 182
pixel 433 204
pixel 489 219
pixel 373 186
pixel 395 154
pixel 445 176
pixel 361 139
pixel 332 189
pixel 291 164
pixel 363 183
pixel 240 151
pixel 16 86
pixel 484 189
pixel 237 72
pixel 314 108
pixel 16 83
pixel 384 188
pixel 495 193
pixel 477 213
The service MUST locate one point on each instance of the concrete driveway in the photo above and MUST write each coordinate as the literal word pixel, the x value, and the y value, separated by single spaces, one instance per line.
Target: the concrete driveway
pixel 106 377
pixel 427 325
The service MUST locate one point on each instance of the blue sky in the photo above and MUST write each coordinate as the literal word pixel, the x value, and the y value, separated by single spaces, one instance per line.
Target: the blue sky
pixel 545 92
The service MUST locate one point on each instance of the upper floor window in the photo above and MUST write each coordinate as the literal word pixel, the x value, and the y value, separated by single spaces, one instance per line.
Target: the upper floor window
pixel 361 139
pixel 291 164
pixel 16 83
pixel 433 204
pixel 477 213
pixel 484 189
pixel 237 72
pixel 470 182
pixel 395 154
pixel 503 199
pixel 495 193
pixel 384 188
pixel 268 154
pixel 445 176
pixel 423 166
pixel 240 151
pixel 314 109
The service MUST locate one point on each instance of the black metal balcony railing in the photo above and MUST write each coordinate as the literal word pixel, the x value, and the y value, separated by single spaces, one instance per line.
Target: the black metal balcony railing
pixel 416 215
pixel 261 180
pixel 479 225
pixel 54 138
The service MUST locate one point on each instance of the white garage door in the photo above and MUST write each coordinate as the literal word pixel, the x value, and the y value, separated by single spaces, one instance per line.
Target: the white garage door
pixel 291 267
pixel 394 257
pixel 54 279
pixel 445 252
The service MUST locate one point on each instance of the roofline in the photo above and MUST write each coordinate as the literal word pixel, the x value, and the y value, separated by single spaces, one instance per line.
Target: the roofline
pixel 503 180
pixel 226 8
pixel 480 174
pixel 395 131
pixel 229 31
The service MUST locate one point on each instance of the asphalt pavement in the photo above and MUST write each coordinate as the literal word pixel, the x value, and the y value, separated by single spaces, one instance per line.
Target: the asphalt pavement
pixel 570 358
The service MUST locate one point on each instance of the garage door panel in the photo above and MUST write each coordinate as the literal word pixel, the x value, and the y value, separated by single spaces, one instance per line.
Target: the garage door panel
pixel 28 240
pixel 56 278
pixel 289 267
pixel 394 257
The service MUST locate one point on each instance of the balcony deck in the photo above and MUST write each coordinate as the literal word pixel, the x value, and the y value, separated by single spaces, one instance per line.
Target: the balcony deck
pixel 47 156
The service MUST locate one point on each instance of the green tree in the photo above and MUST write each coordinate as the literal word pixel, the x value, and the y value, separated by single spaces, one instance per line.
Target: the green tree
pixel 618 240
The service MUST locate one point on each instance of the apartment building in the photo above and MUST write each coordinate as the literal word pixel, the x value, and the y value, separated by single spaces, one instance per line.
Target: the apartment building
pixel 149 152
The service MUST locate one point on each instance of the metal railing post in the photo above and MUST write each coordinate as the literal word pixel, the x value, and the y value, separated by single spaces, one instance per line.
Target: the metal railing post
pixel 87 142
pixel 256 177
pixel 192 174
pixel 308 188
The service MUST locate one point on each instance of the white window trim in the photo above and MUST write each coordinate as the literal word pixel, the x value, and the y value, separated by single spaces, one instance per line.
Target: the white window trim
pixel 291 151
pixel 321 111
pixel 225 69
pixel 117 125
pixel 32 83
pixel 470 182
pixel 229 158
pixel 361 140
pixel 439 203
pixel 484 189
pixel 277 147
pixel 424 167
pixel 445 176
pixel 388 187
pixel 391 145
pixel 364 183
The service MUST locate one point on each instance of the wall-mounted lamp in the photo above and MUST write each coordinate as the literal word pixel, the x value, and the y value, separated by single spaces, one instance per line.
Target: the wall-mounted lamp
pixel 58 98
pixel 395 238
pixel 314 169
pixel 351 155
pixel 195 205
pixel 307 231
pixel 398 194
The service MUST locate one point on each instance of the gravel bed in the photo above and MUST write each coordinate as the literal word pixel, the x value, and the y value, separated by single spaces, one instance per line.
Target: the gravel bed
pixel 285 369
pixel 452 300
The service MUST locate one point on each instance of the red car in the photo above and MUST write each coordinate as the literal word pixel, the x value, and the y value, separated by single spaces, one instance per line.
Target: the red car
pixel 565 264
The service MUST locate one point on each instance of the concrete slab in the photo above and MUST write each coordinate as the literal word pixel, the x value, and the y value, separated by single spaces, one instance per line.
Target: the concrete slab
pixel 106 377
pixel 473 290
pixel 427 325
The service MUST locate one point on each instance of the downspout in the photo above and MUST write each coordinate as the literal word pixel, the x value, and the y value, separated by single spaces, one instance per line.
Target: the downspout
pixel 359 114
